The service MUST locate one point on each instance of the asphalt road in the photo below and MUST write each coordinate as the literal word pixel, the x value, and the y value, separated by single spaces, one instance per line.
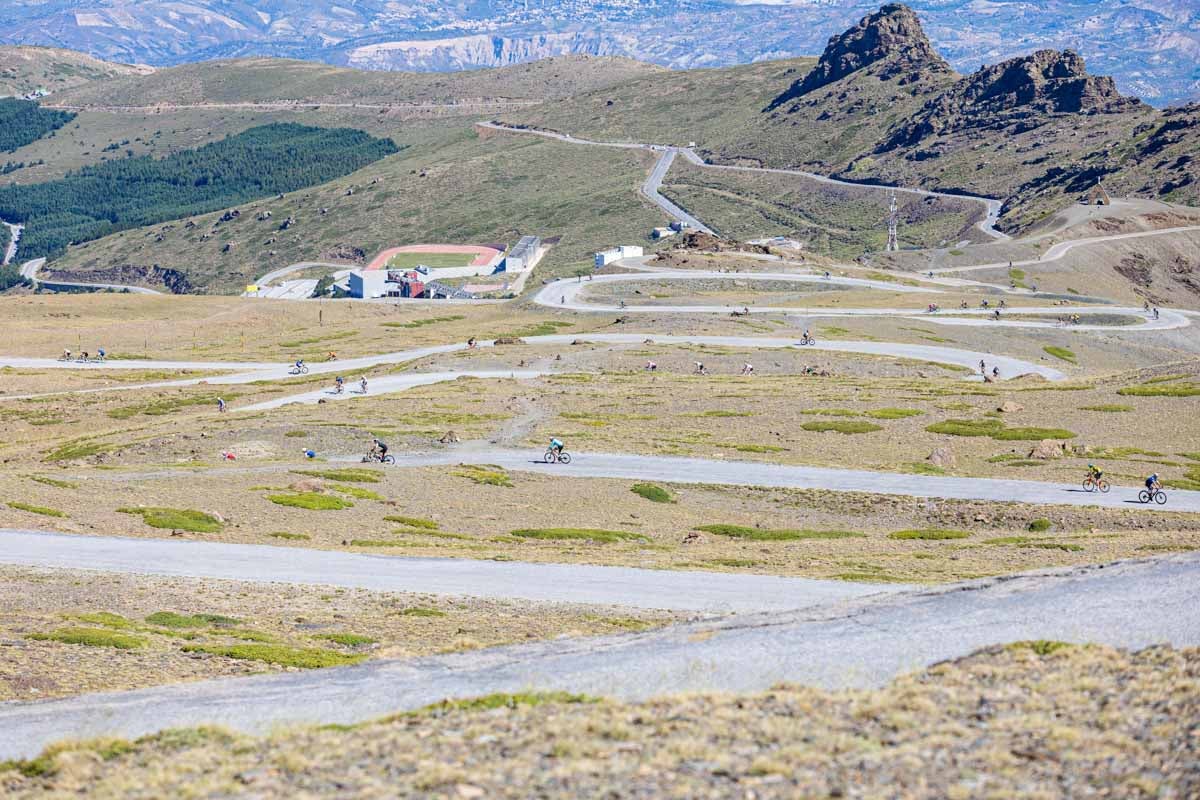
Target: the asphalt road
pixel 746 473
pixel 1059 250
pixel 10 252
pixel 855 643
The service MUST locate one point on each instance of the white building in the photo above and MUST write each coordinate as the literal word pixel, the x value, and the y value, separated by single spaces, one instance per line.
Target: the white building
pixel 523 256
pixel 617 253
pixel 369 283
pixel 661 233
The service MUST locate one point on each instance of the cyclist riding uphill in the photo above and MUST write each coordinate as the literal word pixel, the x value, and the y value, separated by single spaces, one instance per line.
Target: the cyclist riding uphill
pixel 1152 483
pixel 1094 472
pixel 380 447
pixel 556 446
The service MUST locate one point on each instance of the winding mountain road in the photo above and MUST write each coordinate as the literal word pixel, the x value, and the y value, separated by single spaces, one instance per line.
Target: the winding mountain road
pixel 850 644
pixel 14 237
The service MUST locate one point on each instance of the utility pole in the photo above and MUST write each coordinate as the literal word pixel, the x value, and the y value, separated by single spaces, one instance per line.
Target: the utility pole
pixel 893 223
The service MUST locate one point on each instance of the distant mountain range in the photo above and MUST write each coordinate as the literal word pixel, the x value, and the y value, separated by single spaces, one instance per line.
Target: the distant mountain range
pixel 1151 47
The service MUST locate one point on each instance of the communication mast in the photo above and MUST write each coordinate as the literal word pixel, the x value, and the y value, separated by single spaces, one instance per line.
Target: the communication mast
pixel 893 222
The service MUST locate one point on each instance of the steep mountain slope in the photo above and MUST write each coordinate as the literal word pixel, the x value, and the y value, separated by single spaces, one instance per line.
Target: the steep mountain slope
pixel 24 70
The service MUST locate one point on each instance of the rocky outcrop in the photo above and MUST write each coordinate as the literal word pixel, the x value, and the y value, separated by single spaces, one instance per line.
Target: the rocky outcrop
pixel 891 39
pixel 473 52
pixel 1017 94
pixel 127 275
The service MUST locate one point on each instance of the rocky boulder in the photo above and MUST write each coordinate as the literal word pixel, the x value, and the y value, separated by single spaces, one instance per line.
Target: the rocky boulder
pixel 942 457
pixel 892 37
pixel 1009 407
pixel 1048 449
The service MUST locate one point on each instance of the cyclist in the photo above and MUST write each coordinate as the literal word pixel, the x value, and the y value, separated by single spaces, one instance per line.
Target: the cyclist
pixel 66 356
pixel 379 449
pixel 807 337
pixel 471 343
pixel 299 364
pixel 1152 484
pixel 651 366
pixel 826 274
pixel 221 404
pixel 363 384
pixel 339 384
pixel 747 368
pixel 101 354
pixel 84 356
pixel 995 372
pixel 1094 472
pixel 700 370
pixel 556 446
pixel 332 356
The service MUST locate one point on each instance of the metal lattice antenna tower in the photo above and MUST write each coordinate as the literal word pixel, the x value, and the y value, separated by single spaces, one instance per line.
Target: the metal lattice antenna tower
pixel 893 223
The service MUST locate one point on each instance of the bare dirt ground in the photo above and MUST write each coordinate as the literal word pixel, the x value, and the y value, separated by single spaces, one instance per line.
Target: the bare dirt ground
pixel 138 629
pixel 1035 719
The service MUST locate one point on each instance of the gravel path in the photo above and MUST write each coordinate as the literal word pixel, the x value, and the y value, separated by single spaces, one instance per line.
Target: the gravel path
pixel 862 643
pixel 709 592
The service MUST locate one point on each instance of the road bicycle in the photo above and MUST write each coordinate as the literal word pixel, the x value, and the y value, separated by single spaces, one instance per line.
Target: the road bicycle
pixel 1157 495
pixel 374 457
pixel 560 456
pixel 1092 484
pixel 807 340
pixel 300 370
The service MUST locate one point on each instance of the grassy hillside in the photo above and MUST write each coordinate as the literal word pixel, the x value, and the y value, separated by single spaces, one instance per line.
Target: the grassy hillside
pixel 29 69
pixel 451 187
pixel 268 80
pixel 832 220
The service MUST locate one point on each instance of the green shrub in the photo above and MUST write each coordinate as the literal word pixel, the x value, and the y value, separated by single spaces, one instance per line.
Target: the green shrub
pixel 357 492
pixel 655 494
pixel 56 483
pixel 421 611
pixel 1066 547
pixel 761 535
pixel 1031 434
pixel 170 619
pixel 176 519
pixel 1008 540
pixel 282 655
pixel 347 639
pixel 894 413
pixel 485 474
pixel 1060 352
pixel 290 536
pixel 296 434
pixel 1112 408
pixel 105 618
pixel 72 451
pixel 830 412
pixel 413 522
pixel 376 543
pixel 1039 525
pixel 45 512
pixel 313 501
pixel 1043 647
pixel 929 534
pixel 579 534
pixel 759 448
pixel 841 426
pixel 966 427
pixel 92 637
pixel 347 475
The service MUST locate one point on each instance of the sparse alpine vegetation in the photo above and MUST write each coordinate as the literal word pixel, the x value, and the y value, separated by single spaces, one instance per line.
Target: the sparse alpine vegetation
pixel 579 534
pixel 653 493
pixel 996 429
pixel 312 501
pixel 182 519
pixel 485 474
pixel 930 534
pixel 784 535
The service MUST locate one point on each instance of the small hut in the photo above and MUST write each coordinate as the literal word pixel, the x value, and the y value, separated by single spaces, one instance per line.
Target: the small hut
pixel 1098 196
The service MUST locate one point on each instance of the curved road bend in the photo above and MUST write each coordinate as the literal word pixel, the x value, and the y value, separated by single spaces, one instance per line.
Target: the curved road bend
pixel 14 236
pixel 987 225
pixel 854 644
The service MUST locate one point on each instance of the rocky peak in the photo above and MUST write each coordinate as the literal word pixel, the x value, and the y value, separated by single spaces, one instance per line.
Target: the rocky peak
pixel 1022 93
pixel 892 37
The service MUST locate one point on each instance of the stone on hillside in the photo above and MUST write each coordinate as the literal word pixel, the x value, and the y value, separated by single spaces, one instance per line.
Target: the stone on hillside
pixel 449 437
pixel 308 485
pixel 1009 407
pixel 942 457
pixel 1048 449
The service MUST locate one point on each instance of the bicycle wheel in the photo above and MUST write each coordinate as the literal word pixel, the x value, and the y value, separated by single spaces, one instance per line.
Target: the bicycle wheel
pixel 1143 496
pixel 566 459
pixel 1102 485
pixel 1088 485
pixel 549 458
pixel 1160 497
pixel 389 459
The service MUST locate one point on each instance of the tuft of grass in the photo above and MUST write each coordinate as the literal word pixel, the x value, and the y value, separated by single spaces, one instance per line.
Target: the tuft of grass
pixel 170 619
pixel 296 537
pixel 105 618
pixel 966 427
pixel 1160 390
pixel 347 475
pixel 1111 408
pixel 929 534
pixel 830 412
pixel 722 413
pixel 347 639
pixel 783 535
pixel 759 448
pixel 1008 540
pixel 1066 547
pixel 1032 434
pixel 72 451
pixel 893 413
pixel 1039 525
pixel 281 655
pixel 55 482
pixel 296 434
pixel 841 426
pixel 413 522
pixel 312 501
pixel 32 509
pixel 655 494
pixel 484 474
pixel 421 611
pixel 579 534
pixel 493 701
pixel 375 543
pixel 924 468
pixel 1043 647
pixel 732 562
pixel 182 519
pixel 357 492
pixel 91 637
pixel 1060 353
